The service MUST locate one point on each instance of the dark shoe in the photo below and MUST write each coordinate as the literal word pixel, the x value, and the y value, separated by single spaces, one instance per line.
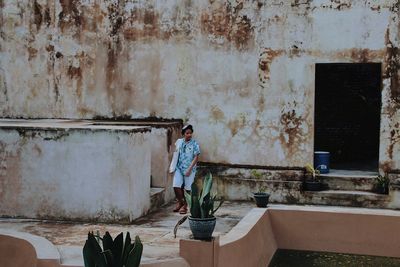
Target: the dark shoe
pixel 183 210
pixel 178 206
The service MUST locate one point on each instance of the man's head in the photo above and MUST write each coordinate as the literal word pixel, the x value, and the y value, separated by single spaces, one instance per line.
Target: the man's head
pixel 187 132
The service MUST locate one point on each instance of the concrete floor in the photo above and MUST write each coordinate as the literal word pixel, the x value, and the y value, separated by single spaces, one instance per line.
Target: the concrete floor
pixel 155 231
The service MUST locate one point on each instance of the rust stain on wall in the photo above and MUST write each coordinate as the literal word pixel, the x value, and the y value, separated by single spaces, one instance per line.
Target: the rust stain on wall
pixel 143 24
pixel 111 71
pixel 217 114
pixel 32 52
pixel 292 133
pixel 70 15
pixel 76 73
pixel 264 63
pixel 236 124
pixel 394 138
pixel 10 189
pixel 37 15
pixel 93 17
pixel 115 16
pixel 392 68
pixel 225 21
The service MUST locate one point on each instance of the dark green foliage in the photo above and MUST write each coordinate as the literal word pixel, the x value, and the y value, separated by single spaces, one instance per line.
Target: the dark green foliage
pixel 382 184
pixel 200 200
pixel 115 253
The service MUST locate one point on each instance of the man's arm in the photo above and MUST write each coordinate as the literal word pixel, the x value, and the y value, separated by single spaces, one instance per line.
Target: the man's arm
pixel 194 161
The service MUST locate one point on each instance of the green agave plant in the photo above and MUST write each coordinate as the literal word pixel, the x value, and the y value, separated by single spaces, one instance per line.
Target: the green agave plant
pixel 200 201
pixel 114 253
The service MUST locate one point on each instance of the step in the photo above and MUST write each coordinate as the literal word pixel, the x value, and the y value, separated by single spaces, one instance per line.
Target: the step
pixel 156 198
pixel 345 198
pixel 349 180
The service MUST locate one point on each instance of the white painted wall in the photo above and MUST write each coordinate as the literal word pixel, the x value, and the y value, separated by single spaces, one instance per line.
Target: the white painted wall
pixel 234 69
pixel 79 174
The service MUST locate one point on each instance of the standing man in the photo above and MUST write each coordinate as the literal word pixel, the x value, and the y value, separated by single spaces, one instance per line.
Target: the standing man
pixel 185 172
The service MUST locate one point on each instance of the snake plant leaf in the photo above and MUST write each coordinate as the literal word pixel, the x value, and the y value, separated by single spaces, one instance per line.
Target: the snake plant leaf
pixel 179 223
pixel 135 254
pixel 107 241
pixel 88 256
pixel 195 210
pixel 188 199
pixel 127 249
pixel 207 185
pixel 219 205
pixel 116 250
pixel 109 258
pixel 94 246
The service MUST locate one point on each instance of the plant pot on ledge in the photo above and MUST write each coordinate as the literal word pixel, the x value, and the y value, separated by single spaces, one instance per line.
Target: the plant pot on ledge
pixel 312 185
pixel 202 228
pixel 201 203
pixel 382 184
pixel 261 199
pixel 311 181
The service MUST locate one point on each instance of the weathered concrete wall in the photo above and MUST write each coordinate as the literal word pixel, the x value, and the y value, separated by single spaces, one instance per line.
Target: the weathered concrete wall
pixel 80 174
pixel 241 71
pixel 162 142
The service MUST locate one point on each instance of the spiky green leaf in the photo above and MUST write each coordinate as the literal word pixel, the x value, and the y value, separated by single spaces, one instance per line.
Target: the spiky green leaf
pixel 107 241
pixel 94 246
pixel 135 254
pixel 207 185
pixel 88 256
pixel 117 248
pixel 127 248
pixel 109 258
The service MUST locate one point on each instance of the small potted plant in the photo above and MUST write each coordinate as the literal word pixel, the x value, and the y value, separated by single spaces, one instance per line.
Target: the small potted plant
pixel 201 204
pixel 382 184
pixel 106 252
pixel 311 181
pixel 261 197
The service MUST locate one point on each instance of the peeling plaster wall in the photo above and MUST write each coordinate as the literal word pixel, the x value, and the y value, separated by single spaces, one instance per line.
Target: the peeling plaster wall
pixel 241 71
pixel 75 174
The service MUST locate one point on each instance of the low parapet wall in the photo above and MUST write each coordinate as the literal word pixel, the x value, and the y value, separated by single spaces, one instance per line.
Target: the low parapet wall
pixel 74 171
pixel 341 230
pixel 22 249
pixel 255 239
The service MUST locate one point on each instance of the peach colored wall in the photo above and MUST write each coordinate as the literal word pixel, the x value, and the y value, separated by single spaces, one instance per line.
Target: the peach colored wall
pixel 342 232
pixel 12 249
pixel 253 242
pixel 199 253
pixel 250 243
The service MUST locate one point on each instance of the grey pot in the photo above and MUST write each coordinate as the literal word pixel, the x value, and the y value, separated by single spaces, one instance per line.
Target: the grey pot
pixel 202 228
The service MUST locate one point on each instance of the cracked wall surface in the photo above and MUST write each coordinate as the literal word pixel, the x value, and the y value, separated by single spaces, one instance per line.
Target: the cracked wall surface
pixel 242 72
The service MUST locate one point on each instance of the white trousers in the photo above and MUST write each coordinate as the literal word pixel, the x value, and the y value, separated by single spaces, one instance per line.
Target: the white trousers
pixel 179 179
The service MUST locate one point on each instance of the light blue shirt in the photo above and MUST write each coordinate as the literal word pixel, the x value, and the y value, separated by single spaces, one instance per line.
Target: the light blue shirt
pixel 187 152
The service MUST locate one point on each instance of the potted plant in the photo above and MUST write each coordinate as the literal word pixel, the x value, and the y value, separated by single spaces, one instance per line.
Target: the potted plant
pixel 382 184
pixel 261 197
pixel 106 252
pixel 201 204
pixel 311 181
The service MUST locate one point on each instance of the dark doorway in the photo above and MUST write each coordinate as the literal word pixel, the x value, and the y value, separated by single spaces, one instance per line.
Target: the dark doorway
pixel 347 114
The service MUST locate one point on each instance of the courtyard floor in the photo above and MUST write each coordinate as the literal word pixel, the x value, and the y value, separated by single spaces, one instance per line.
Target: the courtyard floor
pixel 155 231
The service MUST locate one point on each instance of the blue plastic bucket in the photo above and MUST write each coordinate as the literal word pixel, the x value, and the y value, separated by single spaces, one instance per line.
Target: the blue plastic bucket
pixel 321 161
